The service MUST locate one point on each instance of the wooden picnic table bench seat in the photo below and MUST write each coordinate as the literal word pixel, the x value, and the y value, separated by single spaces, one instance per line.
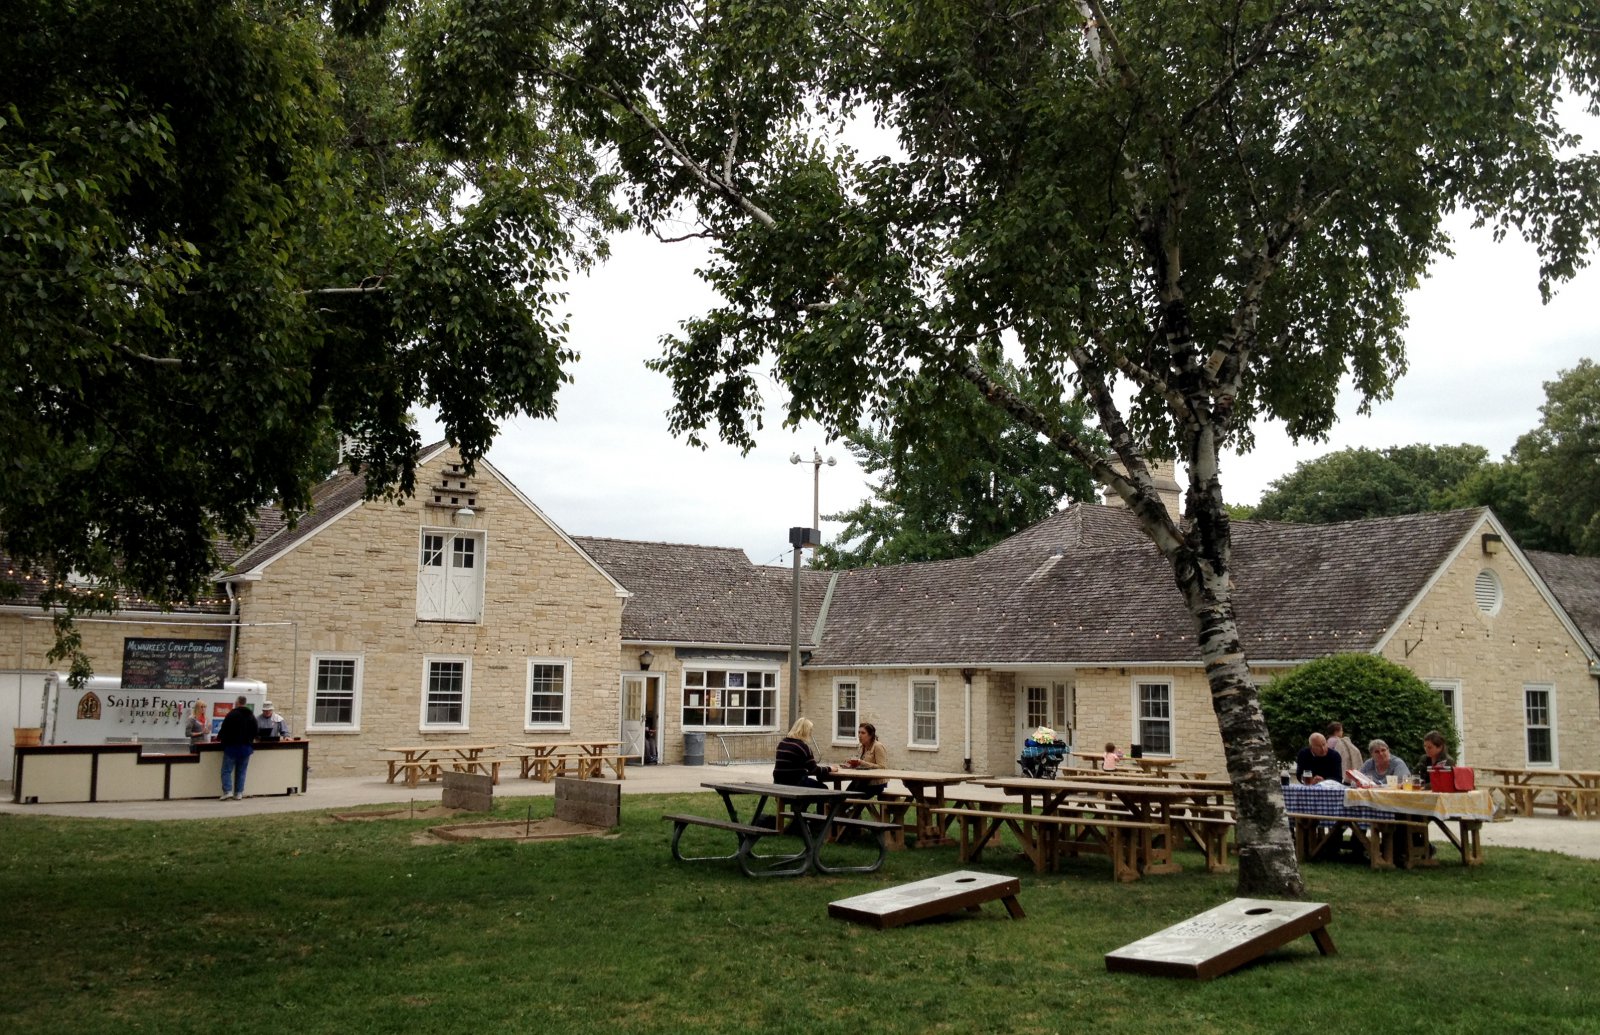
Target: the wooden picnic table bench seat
pixel 424 769
pixel 1043 836
pixel 1378 837
pixel 591 765
pixel 888 810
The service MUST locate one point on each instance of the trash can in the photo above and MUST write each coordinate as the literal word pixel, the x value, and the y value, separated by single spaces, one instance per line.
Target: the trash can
pixel 694 749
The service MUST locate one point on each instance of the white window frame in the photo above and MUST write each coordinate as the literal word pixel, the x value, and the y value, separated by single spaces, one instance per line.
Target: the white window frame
pixel 730 670
pixel 839 685
pixel 428 661
pixel 1139 718
pixel 565 723
pixel 1549 690
pixel 354 725
pixel 480 555
pixel 912 743
pixel 1451 689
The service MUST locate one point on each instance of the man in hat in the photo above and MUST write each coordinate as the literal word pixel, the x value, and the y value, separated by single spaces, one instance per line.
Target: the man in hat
pixel 270 724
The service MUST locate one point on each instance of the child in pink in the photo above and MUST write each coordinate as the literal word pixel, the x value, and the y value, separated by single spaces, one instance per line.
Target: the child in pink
pixel 1111 758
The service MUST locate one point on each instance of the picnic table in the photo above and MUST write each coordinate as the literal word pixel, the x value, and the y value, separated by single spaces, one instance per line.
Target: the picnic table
pixel 927 792
pixel 547 759
pixel 1390 824
pixel 418 762
pixel 1156 811
pixel 813 828
pixel 1572 792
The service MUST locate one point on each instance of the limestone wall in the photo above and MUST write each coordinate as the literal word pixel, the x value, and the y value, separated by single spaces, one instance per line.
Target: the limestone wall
pixel 352 589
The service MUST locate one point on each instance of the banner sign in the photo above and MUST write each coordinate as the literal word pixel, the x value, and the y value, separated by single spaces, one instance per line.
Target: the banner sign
pixel 161 664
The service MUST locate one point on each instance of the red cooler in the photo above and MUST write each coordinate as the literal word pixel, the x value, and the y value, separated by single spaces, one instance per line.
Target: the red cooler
pixel 1442 780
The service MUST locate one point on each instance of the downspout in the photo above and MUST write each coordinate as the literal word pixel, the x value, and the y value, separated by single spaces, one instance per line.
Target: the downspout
pixel 966 730
pixel 233 632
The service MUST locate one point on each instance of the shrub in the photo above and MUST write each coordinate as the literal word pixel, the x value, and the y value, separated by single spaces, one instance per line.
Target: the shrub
pixel 1372 696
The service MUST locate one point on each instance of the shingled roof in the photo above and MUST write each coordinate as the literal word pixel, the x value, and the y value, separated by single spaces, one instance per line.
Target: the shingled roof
pixel 1575 581
pixel 705 594
pixel 1055 594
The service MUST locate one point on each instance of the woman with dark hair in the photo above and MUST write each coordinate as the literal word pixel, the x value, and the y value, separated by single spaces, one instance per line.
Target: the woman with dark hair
pixel 1435 754
pixel 870 756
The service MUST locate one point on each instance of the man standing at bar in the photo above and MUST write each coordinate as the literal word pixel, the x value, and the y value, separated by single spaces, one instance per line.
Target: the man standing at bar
pixel 237 736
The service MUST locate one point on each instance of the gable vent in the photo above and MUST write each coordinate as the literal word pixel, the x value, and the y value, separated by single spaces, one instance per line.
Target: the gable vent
pixel 1486 591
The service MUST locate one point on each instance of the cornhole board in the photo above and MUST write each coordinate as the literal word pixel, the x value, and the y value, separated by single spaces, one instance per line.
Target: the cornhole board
pixel 1224 938
pixel 936 896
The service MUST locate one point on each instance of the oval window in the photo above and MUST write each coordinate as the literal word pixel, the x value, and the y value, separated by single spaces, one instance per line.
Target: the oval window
pixel 1486 590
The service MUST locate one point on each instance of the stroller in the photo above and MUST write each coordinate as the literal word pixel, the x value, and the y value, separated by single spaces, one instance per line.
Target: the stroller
pixel 1041 760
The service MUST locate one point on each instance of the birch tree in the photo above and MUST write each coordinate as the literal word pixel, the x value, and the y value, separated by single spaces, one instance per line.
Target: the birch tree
pixel 1190 217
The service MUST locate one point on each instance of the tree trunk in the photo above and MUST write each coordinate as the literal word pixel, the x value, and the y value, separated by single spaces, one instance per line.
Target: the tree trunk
pixel 1267 864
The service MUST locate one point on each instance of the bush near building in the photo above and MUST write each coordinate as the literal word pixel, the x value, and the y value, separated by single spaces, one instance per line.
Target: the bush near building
pixel 1372 696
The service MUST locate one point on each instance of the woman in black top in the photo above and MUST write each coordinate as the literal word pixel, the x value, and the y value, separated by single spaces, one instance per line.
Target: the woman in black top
pixel 1435 755
pixel 795 763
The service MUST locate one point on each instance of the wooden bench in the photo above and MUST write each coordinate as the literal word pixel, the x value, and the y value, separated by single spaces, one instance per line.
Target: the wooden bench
pixel 1378 837
pixel 889 810
pixel 747 836
pixel 593 765
pixel 424 769
pixel 1208 827
pixel 545 768
pixel 1044 836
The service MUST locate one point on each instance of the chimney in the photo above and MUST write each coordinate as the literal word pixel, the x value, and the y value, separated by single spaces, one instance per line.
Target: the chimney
pixel 1164 473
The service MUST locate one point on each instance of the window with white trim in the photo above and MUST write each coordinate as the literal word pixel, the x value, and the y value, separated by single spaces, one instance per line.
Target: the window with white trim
pixel 846 714
pixel 1450 692
pixel 450 576
pixel 1539 722
pixel 1153 706
pixel 549 694
pixel 446 692
pixel 335 692
pixel 924 703
pixel 720 698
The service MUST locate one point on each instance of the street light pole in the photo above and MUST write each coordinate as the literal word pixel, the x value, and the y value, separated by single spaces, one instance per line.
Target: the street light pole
pixel 816 463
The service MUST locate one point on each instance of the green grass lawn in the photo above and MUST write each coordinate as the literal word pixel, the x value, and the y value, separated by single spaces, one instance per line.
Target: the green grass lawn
pixel 295 923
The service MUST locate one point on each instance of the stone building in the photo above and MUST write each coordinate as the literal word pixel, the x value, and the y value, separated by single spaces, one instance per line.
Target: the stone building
pixel 464 614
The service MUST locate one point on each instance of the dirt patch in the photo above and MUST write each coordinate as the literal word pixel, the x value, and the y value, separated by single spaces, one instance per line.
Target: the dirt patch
pixel 430 812
pixel 550 829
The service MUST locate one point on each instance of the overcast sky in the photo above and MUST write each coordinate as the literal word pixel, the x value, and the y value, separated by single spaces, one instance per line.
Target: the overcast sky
pixel 1480 347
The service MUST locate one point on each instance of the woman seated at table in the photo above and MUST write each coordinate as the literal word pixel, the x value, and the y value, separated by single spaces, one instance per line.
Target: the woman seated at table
pixel 870 756
pixel 796 765
pixel 1382 765
pixel 1435 754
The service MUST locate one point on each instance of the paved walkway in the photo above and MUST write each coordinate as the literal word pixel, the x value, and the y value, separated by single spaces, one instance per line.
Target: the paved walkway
pixel 1575 837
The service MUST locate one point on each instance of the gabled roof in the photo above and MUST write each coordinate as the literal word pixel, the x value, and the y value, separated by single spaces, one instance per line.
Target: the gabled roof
pixel 706 594
pixel 1575 581
pixel 275 537
pixel 1302 591
pixel 344 492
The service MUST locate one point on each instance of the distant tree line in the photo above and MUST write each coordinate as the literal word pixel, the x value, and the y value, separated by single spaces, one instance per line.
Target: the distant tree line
pixel 1546 490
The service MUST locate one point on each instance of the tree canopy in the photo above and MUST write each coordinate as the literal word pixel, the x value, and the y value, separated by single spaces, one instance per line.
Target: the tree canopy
pixel 225 249
pixel 954 478
pixel 1562 458
pixel 1189 216
pixel 1363 483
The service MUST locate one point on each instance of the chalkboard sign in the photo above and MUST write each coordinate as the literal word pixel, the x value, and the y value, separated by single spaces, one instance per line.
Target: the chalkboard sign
pixel 159 664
